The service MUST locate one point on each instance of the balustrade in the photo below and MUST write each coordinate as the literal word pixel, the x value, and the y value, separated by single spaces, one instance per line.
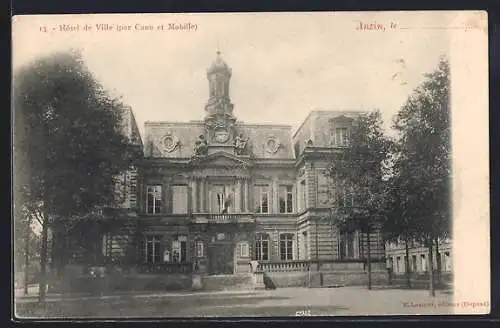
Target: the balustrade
pixel 222 218
pixel 284 266
pixel 166 268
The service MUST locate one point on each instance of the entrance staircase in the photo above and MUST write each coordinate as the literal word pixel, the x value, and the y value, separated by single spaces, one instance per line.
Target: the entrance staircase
pixel 237 281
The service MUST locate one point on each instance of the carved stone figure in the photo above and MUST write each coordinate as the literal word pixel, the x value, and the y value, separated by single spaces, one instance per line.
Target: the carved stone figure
pixel 201 146
pixel 240 145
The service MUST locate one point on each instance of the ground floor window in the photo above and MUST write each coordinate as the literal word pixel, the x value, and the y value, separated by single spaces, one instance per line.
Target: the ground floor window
pixel 347 245
pixel 262 247
pixel 286 247
pixel 200 252
pixel 179 249
pixel 423 263
pixel 153 249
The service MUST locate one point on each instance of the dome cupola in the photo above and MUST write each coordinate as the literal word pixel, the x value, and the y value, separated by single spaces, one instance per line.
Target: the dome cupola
pixel 219 66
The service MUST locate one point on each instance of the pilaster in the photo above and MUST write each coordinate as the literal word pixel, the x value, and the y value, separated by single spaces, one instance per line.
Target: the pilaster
pixel 202 183
pixel 274 197
pixel 237 201
pixel 246 196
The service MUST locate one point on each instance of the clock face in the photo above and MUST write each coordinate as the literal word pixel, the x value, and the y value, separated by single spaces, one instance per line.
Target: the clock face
pixel 221 136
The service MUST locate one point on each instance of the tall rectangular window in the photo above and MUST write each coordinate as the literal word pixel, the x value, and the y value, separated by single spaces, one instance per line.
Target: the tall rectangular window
pixel 153 249
pixel 262 248
pixel 341 136
pixel 286 199
pixel 261 196
pixel 286 247
pixel 423 262
pixel 222 197
pixel 179 249
pixel 153 199
pixel 106 245
pixel 347 241
pixel 179 199
pixel 200 252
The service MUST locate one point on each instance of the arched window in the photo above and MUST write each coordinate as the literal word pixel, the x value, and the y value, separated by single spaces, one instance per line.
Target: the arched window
pixel 262 247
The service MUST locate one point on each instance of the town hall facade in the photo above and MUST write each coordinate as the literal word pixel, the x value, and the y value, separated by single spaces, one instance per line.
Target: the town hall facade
pixel 215 194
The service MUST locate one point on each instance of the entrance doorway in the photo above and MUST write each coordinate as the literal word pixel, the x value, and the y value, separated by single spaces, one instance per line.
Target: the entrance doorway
pixel 221 256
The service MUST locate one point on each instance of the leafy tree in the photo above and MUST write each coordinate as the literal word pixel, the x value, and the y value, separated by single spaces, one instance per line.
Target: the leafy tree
pixel 359 172
pixel 423 162
pixel 398 225
pixel 69 144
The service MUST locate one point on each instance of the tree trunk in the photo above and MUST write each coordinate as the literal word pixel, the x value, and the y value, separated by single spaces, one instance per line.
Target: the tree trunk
pixel 431 270
pixel 407 264
pixel 438 264
pixel 42 286
pixel 369 260
pixel 27 256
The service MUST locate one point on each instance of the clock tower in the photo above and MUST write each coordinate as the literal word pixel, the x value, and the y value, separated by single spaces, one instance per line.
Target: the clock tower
pixel 219 118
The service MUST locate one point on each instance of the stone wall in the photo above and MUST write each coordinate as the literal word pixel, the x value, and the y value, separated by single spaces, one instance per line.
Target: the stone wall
pixel 227 282
pixel 346 278
pixel 74 283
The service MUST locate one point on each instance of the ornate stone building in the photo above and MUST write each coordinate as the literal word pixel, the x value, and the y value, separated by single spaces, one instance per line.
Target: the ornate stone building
pixel 212 195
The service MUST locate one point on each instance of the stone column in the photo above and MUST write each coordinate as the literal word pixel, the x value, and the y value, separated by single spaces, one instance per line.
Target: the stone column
pixel 237 200
pixel 202 195
pixel 194 194
pixel 246 195
pixel 190 196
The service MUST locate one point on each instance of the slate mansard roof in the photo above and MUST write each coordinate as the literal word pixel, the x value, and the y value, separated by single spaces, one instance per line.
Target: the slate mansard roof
pixel 187 133
pixel 316 127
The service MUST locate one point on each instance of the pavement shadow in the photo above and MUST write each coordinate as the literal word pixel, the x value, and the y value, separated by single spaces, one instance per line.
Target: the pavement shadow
pixel 138 307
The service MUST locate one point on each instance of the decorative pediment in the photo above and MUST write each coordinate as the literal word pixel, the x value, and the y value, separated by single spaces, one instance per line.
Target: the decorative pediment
pixel 221 159
pixel 342 119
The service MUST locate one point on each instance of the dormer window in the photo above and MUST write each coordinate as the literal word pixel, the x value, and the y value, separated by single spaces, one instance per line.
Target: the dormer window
pixel 340 131
pixel 341 137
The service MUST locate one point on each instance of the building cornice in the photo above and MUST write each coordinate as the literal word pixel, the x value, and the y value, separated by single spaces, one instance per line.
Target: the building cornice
pixel 313 153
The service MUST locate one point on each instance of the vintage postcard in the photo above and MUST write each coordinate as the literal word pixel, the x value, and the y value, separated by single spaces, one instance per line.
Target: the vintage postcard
pixel 250 164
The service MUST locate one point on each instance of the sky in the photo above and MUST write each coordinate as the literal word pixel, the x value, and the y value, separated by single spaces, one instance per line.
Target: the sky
pixel 284 64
